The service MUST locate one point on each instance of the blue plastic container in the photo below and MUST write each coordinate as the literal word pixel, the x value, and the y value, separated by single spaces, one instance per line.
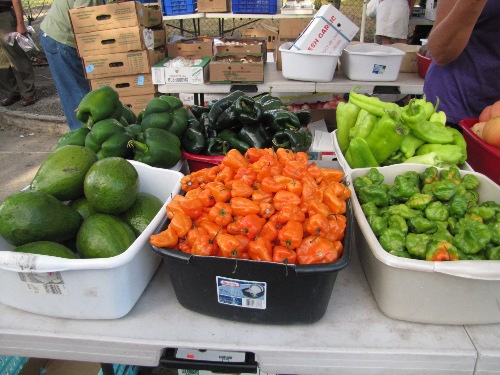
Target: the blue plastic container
pixel 176 7
pixel 254 6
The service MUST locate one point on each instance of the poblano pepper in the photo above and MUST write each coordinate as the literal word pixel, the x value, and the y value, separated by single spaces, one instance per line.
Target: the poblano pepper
pixel 216 146
pixel 193 139
pixel 157 147
pixel 248 111
pixel 270 102
pixel 280 119
pixel 197 110
pixel 73 137
pixel 167 113
pixel 386 137
pixel 255 136
pixel 99 104
pixel 296 140
pixel 222 104
pixel 231 137
pixel 108 138
pixel 304 116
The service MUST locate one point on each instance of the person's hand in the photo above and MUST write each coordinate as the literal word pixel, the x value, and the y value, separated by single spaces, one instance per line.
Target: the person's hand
pixel 21 29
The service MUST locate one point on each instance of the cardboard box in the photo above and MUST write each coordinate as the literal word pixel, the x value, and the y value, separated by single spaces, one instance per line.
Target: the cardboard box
pixel 329 32
pixel 409 63
pixel 37 366
pixel 213 6
pixel 270 36
pixel 236 71
pixel 137 84
pixel 137 102
pixel 195 74
pixel 113 16
pixel 122 63
pixel 292 27
pixel 194 48
pixel 242 46
pixel 430 10
pixel 119 40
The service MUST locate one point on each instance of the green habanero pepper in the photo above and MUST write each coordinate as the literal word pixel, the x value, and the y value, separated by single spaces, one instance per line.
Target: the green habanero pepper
pixel 419 201
pixel 470 181
pixel 378 224
pixel 422 225
pixel 157 148
pixel 386 137
pixel 296 140
pixel 416 244
pixel 444 190
pixel 398 222
pixel 369 209
pixel 346 116
pixel 108 138
pixel 429 175
pixel 436 211
pixel 403 210
pixel 231 137
pixel 374 193
pixel 493 253
pixel 99 104
pixel 403 188
pixel 441 251
pixel 392 239
pixel 472 236
pixel 193 139
pixel 73 137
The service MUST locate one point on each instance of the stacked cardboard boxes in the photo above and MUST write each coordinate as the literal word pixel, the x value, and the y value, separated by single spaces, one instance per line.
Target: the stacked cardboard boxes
pixel 119 43
pixel 289 30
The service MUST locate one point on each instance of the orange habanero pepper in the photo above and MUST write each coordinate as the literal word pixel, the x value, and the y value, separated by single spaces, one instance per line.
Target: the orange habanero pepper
pixel 181 224
pixel 167 238
pixel 260 249
pixel 240 188
pixel 291 234
pixel 270 185
pixel 337 228
pixel 243 206
pixel 253 154
pixel 194 233
pixel 189 183
pixel 207 198
pixel 221 214
pixel 260 195
pixel 283 255
pixel 193 207
pixel 314 250
pixel 249 225
pixel 229 246
pixel 334 203
pixel 225 175
pixel 203 245
pixel 266 209
pixel 290 212
pixel 219 191
pixel 234 160
pixel 247 175
pixel 283 198
pixel 318 225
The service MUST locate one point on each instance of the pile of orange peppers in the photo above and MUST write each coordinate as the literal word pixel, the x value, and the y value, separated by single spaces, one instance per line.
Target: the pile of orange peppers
pixel 265 205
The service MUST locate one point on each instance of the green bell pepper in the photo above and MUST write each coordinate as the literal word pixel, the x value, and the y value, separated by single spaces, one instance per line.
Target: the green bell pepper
pixel 128 115
pixel 73 137
pixel 167 113
pixel 99 104
pixel 157 148
pixel 297 140
pixel 108 138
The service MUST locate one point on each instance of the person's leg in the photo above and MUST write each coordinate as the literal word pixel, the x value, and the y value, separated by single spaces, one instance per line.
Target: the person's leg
pixel 384 40
pixel 69 78
pixel 8 86
pixel 21 65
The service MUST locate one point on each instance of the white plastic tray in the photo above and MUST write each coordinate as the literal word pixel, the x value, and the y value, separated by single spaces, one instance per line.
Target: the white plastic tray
pixel 104 288
pixel 371 62
pixel 459 292
pixel 307 66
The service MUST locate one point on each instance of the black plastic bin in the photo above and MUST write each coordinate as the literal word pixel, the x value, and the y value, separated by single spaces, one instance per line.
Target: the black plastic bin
pixel 254 291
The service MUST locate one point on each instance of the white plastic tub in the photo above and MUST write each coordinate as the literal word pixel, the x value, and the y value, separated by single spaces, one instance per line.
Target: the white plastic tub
pixel 371 62
pixel 104 288
pixel 458 292
pixel 307 66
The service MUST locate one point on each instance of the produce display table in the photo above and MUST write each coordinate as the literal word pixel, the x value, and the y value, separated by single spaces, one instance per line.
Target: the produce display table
pixel 353 337
pixel 407 83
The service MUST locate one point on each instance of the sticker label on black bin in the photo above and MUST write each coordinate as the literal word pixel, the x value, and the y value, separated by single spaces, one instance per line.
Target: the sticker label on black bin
pixel 242 293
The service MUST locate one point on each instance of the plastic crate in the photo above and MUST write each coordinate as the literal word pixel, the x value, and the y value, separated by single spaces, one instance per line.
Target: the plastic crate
pixel 254 291
pixel 254 6
pixel 12 365
pixel 177 7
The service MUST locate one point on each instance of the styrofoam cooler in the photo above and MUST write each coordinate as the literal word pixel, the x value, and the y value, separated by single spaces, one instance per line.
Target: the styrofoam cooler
pixel 104 288
pixel 456 292
pixel 371 62
pixel 307 66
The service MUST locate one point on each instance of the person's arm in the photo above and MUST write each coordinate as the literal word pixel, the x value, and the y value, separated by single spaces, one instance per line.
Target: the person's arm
pixel 18 10
pixel 411 4
pixel 452 29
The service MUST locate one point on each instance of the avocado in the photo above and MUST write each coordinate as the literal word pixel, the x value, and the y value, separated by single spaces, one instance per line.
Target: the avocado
pixel 111 185
pixel 30 215
pixel 103 236
pixel 83 206
pixel 144 209
pixel 62 172
pixel 53 249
